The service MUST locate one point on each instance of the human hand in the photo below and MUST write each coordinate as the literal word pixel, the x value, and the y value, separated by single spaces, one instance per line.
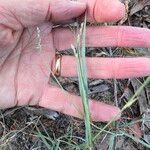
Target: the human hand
pixel 28 44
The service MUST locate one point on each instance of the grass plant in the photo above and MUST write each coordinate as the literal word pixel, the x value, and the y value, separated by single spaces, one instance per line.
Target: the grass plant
pixel 80 51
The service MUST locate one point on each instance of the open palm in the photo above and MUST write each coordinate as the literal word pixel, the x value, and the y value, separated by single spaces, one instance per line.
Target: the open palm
pixel 28 43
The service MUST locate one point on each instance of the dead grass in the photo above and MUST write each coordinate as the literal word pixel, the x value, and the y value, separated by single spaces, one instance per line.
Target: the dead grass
pixel 20 129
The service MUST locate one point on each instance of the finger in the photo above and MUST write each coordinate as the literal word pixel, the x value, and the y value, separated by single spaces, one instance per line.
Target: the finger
pixel 16 14
pixel 113 36
pixel 105 68
pixel 59 100
pixel 104 10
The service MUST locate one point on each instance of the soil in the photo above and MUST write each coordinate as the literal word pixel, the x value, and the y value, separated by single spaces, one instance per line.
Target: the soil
pixel 20 127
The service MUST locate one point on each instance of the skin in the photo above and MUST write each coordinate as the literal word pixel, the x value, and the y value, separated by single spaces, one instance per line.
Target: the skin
pixel 25 67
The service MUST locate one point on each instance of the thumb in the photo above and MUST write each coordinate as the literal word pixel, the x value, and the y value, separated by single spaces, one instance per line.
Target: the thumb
pixel 17 14
pixel 104 10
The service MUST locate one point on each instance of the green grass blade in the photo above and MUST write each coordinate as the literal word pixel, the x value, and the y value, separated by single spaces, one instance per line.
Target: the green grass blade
pixel 39 134
pixel 136 139
pixel 128 104
pixel 83 82
pixel 112 142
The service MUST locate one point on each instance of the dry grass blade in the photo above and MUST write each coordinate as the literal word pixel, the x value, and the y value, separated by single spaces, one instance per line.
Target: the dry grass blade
pixel 127 105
